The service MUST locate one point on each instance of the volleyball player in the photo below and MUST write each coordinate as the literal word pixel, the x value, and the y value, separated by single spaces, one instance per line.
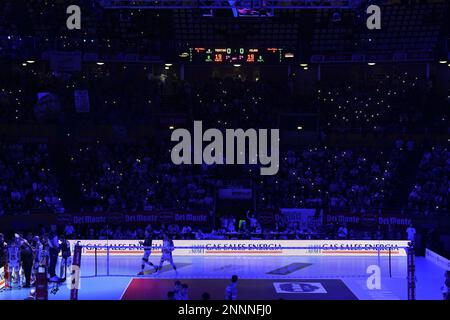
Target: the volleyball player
pixel 167 249
pixel 147 244
pixel 14 262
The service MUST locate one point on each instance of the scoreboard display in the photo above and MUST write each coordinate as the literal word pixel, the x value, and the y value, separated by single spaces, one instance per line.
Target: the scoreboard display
pixel 239 56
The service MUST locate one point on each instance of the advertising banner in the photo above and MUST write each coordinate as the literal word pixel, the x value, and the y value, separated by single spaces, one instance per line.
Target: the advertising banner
pixel 197 218
pixel 437 259
pixel 250 247
pixel 368 219
pixel 235 193
pixel 65 61
pixel 306 218
pixel 180 217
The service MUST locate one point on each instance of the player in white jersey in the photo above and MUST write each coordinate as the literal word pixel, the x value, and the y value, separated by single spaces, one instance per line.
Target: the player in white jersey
pixel 14 262
pixel 45 256
pixel 38 253
pixel 167 249
pixel 3 260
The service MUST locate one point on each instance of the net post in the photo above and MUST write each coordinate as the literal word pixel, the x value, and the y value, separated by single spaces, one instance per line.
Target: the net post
pixel 95 259
pixel 107 260
pixel 411 272
pixel 390 263
pixel 75 272
pixel 379 255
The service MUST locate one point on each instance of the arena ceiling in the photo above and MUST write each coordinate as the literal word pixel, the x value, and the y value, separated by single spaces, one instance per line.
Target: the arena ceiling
pixel 420 28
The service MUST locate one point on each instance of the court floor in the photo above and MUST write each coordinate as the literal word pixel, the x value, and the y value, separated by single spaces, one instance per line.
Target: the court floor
pixel 260 278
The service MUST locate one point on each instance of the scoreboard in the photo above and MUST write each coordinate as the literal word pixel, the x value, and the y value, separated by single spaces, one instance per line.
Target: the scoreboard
pixel 239 56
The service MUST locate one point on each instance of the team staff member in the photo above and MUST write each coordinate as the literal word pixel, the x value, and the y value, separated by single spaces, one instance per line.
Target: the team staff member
pixel 66 260
pixel 53 244
pixel 3 250
pixel 26 256
pixel 3 255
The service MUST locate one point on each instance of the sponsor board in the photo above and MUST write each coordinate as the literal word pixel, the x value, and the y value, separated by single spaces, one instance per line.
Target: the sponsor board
pixel 437 259
pixel 198 218
pixel 65 61
pixel 250 247
pixel 306 218
pixel 235 193
pixel 299 287
pixel 368 219
pixel 180 217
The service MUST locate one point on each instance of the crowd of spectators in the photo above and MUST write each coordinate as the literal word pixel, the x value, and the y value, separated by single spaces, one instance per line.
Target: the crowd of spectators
pixel 132 177
pixel 137 177
pixel 117 95
pixel 235 102
pixel 355 179
pixel 395 103
pixel 432 188
pixel 38 25
pixel 132 94
pixel 13 105
pixel 27 183
pixel 281 230
pixel 140 177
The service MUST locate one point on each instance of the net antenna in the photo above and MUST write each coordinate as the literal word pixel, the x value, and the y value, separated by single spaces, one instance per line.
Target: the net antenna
pixel 411 272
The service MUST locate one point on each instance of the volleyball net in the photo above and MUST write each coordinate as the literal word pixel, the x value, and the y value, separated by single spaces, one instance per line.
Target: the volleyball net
pixel 253 259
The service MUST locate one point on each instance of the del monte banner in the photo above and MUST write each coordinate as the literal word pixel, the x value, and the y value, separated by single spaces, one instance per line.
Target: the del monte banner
pixel 181 217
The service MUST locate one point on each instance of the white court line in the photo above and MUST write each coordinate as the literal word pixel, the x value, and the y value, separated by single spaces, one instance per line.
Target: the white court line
pixel 126 287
